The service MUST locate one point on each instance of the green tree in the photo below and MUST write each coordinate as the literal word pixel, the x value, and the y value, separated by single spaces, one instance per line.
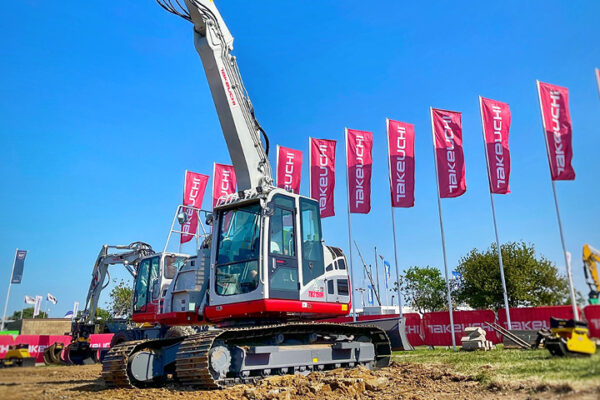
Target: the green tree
pixel 424 289
pixel 530 281
pixel 121 298
pixel 27 313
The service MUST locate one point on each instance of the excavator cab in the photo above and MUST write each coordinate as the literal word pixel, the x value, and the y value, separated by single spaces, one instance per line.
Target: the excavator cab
pixel 154 275
pixel 268 261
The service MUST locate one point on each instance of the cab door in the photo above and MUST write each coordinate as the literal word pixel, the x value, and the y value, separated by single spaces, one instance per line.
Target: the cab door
pixel 283 254
pixel 145 305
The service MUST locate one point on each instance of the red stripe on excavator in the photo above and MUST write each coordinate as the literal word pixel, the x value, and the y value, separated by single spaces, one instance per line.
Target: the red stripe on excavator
pixel 275 307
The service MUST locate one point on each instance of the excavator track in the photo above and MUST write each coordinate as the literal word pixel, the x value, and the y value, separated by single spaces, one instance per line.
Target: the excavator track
pixel 193 366
pixel 192 363
pixel 114 366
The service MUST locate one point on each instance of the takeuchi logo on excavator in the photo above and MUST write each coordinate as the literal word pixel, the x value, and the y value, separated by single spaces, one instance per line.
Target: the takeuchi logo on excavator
pixel 228 87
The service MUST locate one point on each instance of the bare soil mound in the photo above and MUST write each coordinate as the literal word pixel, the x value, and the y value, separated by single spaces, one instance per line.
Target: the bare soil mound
pixel 398 381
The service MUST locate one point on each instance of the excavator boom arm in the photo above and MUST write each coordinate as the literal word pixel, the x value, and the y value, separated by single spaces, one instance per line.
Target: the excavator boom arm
pixel 214 44
pixel 129 258
pixel 591 258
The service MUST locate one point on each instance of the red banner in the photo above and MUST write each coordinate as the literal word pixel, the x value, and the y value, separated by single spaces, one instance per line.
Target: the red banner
pixel 289 169
pixel 401 153
pixel 322 174
pixel 193 193
pixel 592 316
pixel 224 181
pixel 495 119
pixel 556 119
pixel 359 161
pixel 449 157
pixel 437 326
pixel 534 318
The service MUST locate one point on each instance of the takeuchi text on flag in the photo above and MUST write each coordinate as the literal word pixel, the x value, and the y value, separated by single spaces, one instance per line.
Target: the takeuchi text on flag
pixel 401 153
pixel 193 193
pixel 359 161
pixel 556 121
pixel 322 174
pixel 495 119
pixel 449 156
pixel 289 169
pixel 224 182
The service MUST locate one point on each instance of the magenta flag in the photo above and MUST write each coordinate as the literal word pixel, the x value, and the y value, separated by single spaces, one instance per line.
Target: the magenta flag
pixel 401 153
pixel 322 174
pixel 449 156
pixel 289 169
pixel 359 161
pixel 495 119
pixel 224 182
pixel 193 193
pixel 556 120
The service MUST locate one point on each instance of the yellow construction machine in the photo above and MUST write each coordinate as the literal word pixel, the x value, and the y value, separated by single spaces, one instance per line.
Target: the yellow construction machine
pixel 591 258
pixel 568 338
pixel 17 356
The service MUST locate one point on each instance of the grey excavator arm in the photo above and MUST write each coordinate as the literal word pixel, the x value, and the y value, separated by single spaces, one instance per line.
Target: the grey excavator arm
pixel 129 258
pixel 214 44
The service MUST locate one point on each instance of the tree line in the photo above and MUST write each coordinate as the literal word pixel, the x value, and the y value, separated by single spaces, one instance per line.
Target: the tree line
pixel 531 281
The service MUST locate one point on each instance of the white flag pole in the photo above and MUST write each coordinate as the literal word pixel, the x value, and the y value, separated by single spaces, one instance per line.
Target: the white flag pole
pixel 443 237
pixel 352 281
pixel 387 134
pixel 8 291
pixel 560 228
pixel 487 160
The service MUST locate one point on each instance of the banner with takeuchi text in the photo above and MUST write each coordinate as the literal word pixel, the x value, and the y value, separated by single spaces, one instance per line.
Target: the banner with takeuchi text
pixel 359 161
pixel 193 193
pixel 322 174
pixel 224 182
pixel 401 153
pixel 289 169
pixel 556 120
pixel 495 119
pixel 449 156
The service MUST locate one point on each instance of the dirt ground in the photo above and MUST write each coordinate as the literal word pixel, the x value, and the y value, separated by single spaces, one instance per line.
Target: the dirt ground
pixel 399 381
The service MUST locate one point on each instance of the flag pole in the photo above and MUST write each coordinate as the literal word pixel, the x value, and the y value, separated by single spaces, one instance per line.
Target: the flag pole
pixel 499 250
pixel 565 252
pixel 442 233
pixel 387 134
pixel 352 281
pixel 377 275
pixel 560 228
pixel 8 291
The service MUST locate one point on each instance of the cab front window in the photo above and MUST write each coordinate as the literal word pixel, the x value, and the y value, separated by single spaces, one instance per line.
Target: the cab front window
pixel 238 251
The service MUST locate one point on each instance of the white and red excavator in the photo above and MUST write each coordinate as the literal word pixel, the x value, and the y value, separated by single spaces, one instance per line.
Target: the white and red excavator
pixel 245 305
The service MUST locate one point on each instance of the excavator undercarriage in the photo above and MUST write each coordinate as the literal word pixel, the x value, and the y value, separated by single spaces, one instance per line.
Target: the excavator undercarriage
pixel 218 358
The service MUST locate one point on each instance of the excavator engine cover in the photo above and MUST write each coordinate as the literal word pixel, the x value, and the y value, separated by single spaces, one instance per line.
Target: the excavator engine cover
pixel 569 338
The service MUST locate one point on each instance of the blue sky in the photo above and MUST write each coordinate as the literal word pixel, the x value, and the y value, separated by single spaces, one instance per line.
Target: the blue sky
pixel 103 108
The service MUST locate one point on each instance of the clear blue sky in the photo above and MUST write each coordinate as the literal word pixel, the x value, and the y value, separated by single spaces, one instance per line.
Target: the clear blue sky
pixel 104 106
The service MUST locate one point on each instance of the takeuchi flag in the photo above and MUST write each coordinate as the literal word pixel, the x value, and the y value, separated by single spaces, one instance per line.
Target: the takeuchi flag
pixel 556 120
pixel 289 169
pixel 193 193
pixel 449 156
pixel 322 174
pixel 224 181
pixel 401 153
pixel 359 161
pixel 495 119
